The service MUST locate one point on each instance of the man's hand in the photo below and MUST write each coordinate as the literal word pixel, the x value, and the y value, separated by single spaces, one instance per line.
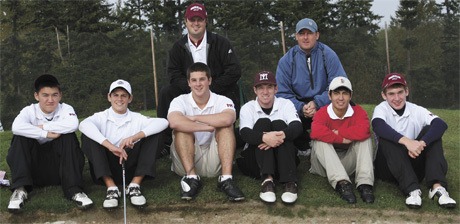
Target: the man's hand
pixel 128 142
pixel 309 109
pixel 414 147
pixel 53 135
pixel 273 139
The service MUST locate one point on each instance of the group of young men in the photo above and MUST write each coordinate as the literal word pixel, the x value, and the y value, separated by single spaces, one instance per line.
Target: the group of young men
pixel 307 104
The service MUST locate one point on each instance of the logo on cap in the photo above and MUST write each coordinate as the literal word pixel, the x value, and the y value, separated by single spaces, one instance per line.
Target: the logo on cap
pixel 394 77
pixel 263 76
pixel 196 8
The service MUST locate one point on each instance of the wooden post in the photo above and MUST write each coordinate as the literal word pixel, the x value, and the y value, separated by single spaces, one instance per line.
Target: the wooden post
pixel 59 44
pixel 154 68
pixel 282 37
pixel 387 50
pixel 68 41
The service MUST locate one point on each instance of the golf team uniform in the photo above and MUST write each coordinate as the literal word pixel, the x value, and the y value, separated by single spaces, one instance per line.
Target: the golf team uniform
pixel 108 125
pixel 207 161
pixel 36 160
pixel 254 122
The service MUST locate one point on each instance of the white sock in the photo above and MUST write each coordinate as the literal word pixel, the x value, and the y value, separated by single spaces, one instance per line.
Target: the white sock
pixel 193 176
pixel 133 185
pixel 113 188
pixel 225 177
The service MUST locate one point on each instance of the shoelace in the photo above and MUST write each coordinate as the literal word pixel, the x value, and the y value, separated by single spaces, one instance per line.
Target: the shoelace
pixel 443 192
pixel 415 193
pixel 112 194
pixel 290 187
pixel 134 191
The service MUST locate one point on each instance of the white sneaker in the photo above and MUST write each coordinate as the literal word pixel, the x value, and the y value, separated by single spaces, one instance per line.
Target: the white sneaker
pixel 443 197
pixel 135 196
pixel 290 193
pixel 414 200
pixel 17 199
pixel 267 192
pixel 111 199
pixel 82 200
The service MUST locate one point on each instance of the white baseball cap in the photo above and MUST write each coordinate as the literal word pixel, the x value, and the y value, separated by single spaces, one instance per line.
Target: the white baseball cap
pixel 340 82
pixel 122 84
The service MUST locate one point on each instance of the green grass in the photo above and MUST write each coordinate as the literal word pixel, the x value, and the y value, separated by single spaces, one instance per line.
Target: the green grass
pixel 314 191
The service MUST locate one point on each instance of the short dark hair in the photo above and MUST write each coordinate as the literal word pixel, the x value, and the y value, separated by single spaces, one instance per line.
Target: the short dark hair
pixel 46 80
pixel 198 67
pixel 394 86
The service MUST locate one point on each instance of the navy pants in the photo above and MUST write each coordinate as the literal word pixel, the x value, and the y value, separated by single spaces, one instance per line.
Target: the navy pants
pixel 58 162
pixel 281 161
pixel 393 164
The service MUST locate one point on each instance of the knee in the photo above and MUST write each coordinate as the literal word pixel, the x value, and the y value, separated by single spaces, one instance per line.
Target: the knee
pixel 278 125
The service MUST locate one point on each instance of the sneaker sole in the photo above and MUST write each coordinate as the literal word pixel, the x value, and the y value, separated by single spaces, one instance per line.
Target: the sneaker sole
pixel 236 199
pixel 450 205
pixel 14 211
pixel 84 207
pixel 414 206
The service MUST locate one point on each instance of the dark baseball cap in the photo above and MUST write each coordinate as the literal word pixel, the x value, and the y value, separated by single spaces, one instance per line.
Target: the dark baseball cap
pixel 196 9
pixel 264 77
pixel 393 78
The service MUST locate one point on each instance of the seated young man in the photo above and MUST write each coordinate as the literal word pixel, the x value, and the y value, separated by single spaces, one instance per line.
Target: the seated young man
pixel 45 150
pixel 269 126
pixel 342 144
pixel 410 145
pixel 203 136
pixel 118 135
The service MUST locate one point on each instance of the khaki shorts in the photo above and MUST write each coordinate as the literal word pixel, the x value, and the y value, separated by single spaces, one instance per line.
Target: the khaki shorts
pixel 207 161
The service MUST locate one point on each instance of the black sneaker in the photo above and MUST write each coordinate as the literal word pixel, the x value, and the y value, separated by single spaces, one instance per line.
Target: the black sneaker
pixel 111 199
pixel 189 187
pixel 267 191
pixel 135 196
pixel 345 189
pixel 290 193
pixel 229 187
pixel 366 193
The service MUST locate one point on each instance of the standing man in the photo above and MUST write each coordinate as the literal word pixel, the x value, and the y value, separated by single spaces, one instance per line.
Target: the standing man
pixel 118 135
pixel 304 73
pixel 269 125
pixel 410 145
pixel 199 46
pixel 203 136
pixel 342 144
pixel 44 150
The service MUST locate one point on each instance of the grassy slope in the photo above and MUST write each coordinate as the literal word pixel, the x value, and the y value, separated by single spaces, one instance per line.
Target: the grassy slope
pixel 314 190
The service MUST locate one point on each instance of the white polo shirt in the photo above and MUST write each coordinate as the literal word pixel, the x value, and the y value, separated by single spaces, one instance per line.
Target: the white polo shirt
pixel 283 109
pixel 115 127
pixel 63 121
pixel 187 106
pixel 410 124
pixel 199 52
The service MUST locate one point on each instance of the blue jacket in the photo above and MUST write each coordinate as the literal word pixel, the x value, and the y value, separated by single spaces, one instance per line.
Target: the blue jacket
pixel 293 76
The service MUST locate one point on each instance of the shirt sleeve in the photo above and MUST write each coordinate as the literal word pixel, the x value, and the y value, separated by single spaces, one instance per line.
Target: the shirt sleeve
pixel 91 127
pixel 23 125
pixel 66 123
pixel 320 129
pixel 151 126
pixel 358 128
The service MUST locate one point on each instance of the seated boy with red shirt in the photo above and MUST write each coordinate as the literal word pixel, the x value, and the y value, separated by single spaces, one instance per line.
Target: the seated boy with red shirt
pixel 341 144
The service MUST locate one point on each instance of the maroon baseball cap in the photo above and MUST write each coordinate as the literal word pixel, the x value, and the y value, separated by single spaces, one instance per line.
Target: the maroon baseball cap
pixel 264 77
pixel 393 78
pixel 196 9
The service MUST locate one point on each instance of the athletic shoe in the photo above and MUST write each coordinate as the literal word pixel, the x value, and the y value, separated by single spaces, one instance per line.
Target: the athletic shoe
pixel 230 189
pixel 17 200
pixel 189 187
pixel 366 192
pixel 414 200
pixel 290 193
pixel 111 199
pixel 345 189
pixel 267 192
pixel 82 200
pixel 135 196
pixel 443 197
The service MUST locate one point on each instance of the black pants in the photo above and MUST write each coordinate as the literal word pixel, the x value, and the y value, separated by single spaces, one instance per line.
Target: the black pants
pixel 281 161
pixel 302 142
pixel 58 162
pixel 393 164
pixel 140 162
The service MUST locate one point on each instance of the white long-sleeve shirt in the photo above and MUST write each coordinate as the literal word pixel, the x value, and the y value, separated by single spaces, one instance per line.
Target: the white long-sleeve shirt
pixel 115 127
pixel 64 121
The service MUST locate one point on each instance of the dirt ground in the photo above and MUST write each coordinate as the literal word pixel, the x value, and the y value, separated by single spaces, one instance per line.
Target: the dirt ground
pixel 248 212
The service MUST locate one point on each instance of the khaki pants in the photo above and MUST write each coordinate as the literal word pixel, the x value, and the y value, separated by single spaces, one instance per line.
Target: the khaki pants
pixel 338 164
pixel 207 161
